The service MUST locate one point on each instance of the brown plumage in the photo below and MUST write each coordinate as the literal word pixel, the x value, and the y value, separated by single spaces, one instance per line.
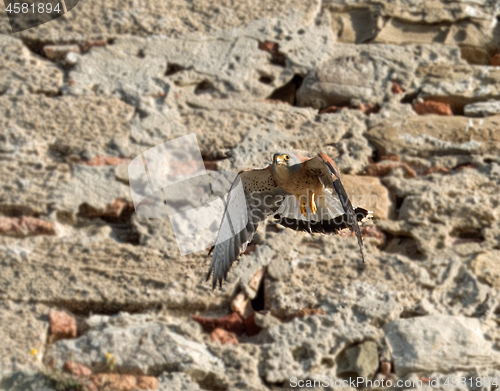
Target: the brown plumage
pixel 303 193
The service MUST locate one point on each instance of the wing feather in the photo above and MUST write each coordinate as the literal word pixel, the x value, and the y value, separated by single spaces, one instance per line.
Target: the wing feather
pixel 326 169
pixel 261 198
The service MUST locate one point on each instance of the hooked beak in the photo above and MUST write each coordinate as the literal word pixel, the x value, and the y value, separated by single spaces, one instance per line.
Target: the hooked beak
pixel 279 160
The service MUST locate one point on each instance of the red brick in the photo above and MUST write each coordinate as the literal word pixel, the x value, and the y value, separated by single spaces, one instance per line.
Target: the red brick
pixel 432 107
pixel 210 165
pixel 91 43
pixel 250 249
pixel 77 369
pixel 274 49
pixel 62 325
pixel 251 327
pixel 25 226
pixel 118 382
pixel 382 169
pixel 268 46
pixel 224 336
pixel 396 88
pixel 495 60
pixel 385 368
pixel 329 110
pixel 114 209
pixel 98 161
pixel 232 322
pixel 146 383
pixel 439 169
pixel 369 231
pixel 377 169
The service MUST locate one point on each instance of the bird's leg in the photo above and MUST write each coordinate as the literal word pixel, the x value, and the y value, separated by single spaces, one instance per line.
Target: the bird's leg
pixel 312 204
pixel 303 203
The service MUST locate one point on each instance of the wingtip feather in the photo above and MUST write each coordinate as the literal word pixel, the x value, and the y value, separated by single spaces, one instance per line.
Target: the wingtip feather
pixel 345 202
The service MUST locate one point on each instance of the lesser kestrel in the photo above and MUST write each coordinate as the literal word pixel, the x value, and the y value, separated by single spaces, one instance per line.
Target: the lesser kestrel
pixel 299 192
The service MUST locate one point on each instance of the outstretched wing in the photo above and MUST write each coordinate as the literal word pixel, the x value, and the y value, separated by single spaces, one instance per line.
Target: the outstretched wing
pixel 253 196
pixel 326 169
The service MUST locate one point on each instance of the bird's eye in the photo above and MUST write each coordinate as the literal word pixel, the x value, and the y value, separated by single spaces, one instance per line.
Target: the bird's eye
pixel 286 157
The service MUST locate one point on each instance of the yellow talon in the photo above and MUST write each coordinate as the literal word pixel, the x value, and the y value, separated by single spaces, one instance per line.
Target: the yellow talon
pixel 303 209
pixel 312 204
pixel 303 203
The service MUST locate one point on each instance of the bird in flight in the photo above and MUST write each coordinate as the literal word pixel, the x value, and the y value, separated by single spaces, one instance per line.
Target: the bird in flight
pixel 298 191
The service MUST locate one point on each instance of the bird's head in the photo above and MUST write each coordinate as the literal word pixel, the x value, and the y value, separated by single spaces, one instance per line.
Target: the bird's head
pixel 285 160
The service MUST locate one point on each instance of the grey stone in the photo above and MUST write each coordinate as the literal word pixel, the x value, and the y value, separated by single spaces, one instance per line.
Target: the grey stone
pixel 360 360
pixel 417 12
pixel 37 123
pixel 423 136
pixel 221 181
pixel 230 66
pixel 242 364
pixel 42 136
pixel 469 25
pixel 476 43
pixel 437 199
pixel 177 381
pixel 343 79
pixel 439 344
pixel 92 22
pixel 154 128
pixel 93 186
pixel 233 63
pixel 316 343
pixel 23 72
pixel 148 348
pixel 23 328
pixel 180 325
pixel 459 85
pixel 365 72
pixel 130 80
pixel 303 48
pixel 286 127
pixel 25 381
pixel 377 310
pixel 484 266
pixel 116 276
pixel 482 109
pixel 321 273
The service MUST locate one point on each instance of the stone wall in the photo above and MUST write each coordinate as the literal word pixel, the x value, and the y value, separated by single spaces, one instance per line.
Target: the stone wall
pixel 405 95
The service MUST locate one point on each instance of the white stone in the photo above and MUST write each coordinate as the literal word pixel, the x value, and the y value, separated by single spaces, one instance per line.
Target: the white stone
pixel 438 343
